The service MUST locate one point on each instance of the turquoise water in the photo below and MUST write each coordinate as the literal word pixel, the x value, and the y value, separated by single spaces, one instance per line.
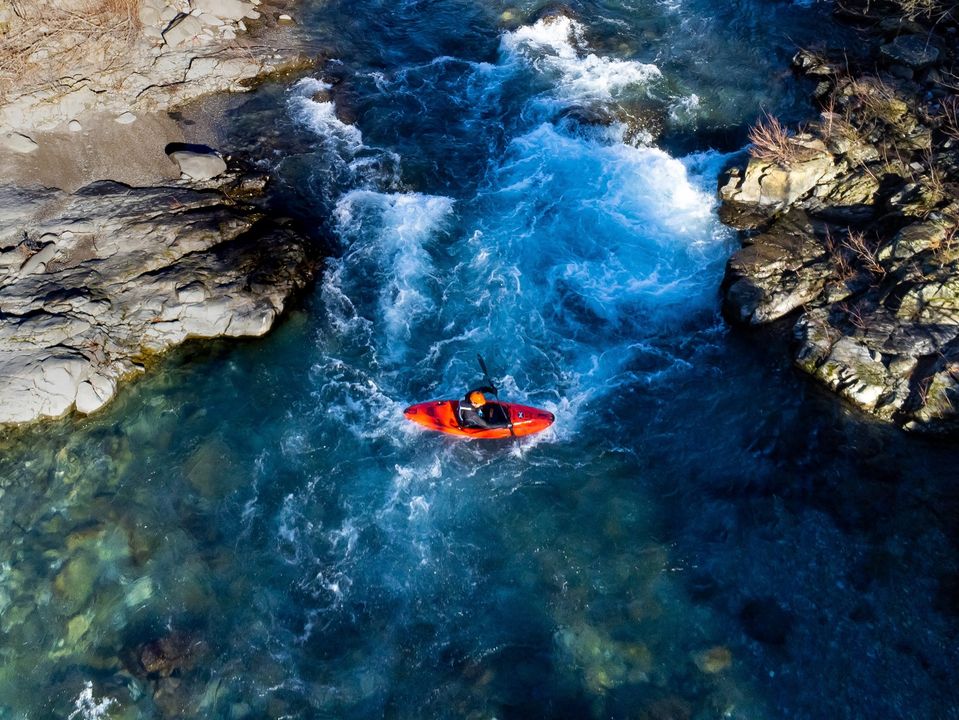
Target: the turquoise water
pixel 702 534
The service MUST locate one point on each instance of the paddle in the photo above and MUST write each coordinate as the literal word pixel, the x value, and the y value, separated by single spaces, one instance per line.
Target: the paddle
pixel 489 381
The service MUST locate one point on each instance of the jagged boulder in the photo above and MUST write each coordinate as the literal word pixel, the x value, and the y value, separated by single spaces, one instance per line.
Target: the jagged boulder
pixel 859 237
pixel 770 184
pixel 766 187
pixel 777 272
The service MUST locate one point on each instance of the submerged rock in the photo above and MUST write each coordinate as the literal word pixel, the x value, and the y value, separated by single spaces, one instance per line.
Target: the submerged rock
pixel 670 707
pixel 168 663
pixel 74 583
pixel 76 628
pixel 714 660
pixel 209 468
pixel 605 663
pixel 912 51
pixel 164 656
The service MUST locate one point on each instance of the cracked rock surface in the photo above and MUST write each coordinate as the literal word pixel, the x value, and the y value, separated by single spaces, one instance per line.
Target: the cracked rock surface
pixel 175 51
pixel 93 281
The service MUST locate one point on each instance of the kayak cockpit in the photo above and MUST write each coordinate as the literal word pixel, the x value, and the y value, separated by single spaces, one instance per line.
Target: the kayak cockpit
pixel 489 416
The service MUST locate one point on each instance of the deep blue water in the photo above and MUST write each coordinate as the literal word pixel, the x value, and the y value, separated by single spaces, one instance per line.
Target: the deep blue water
pixel 542 192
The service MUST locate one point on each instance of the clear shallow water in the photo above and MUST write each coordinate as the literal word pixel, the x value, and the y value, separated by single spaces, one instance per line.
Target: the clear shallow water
pixel 313 555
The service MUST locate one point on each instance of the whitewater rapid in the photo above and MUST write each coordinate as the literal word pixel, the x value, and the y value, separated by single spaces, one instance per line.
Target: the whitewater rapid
pixel 575 254
pixel 573 237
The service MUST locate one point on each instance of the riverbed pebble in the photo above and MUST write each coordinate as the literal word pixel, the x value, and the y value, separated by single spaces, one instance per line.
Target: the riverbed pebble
pixel 714 660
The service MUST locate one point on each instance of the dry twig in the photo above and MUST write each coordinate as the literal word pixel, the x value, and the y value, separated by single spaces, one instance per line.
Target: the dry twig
pixel 838 256
pixel 950 117
pixel 856 243
pixel 46 38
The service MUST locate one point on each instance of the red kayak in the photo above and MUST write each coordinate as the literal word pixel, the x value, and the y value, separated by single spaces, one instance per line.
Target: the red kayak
pixel 443 415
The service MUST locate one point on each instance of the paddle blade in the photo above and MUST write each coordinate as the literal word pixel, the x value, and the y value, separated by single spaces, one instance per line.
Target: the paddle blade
pixel 482 364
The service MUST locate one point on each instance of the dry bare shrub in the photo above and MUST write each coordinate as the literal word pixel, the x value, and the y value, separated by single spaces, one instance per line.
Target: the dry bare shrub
pixel 950 117
pixel 772 141
pixel 836 125
pixel 119 8
pixel 923 9
pixel 836 253
pixel 857 244
pixel 48 40
pixel 877 99
pixel 853 313
pixel 948 80
pixel 944 247
pixel 934 179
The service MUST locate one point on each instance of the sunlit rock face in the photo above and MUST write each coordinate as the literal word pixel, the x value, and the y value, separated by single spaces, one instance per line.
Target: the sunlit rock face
pixel 852 226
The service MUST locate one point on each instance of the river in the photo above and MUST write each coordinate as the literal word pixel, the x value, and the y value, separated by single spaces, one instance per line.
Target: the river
pixel 701 534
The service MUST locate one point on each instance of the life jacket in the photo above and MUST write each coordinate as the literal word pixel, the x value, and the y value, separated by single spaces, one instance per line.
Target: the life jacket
pixel 490 415
pixel 469 416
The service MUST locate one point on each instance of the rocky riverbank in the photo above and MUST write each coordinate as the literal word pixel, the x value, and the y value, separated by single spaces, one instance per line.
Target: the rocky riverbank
pixel 850 222
pixel 119 237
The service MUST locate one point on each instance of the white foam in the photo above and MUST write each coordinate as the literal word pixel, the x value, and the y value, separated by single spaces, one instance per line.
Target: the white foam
pixel 620 220
pixel 419 508
pixel 320 116
pixel 251 506
pixel 684 109
pixel 556 46
pixel 392 232
pixel 291 525
pixel 87 707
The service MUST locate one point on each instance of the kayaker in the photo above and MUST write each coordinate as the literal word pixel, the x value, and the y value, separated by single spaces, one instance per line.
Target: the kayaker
pixel 477 411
